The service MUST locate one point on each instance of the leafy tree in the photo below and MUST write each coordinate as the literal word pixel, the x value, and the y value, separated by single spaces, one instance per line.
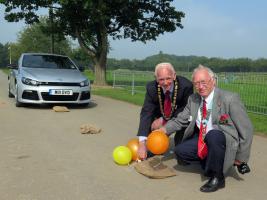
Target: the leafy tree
pixel 80 56
pixel 261 65
pixel 4 55
pixel 188 63
pixel 34 39
pixel 92 21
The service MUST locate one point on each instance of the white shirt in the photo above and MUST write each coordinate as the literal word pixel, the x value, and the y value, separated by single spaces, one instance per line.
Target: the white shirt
pixel 209 101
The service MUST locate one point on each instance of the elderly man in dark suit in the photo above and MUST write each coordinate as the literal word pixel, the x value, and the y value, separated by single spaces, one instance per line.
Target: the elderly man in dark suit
pixel 165 98
pixel 219 133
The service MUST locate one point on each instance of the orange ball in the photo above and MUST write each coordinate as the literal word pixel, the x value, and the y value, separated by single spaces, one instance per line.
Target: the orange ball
pixel 133 145
pixel 157 142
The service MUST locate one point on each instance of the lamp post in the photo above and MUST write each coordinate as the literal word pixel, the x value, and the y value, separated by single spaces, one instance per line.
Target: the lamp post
pixel 10 59
pixel 51 17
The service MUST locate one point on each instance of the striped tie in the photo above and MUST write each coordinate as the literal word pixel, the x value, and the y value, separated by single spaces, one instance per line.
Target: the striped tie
pixel 202 147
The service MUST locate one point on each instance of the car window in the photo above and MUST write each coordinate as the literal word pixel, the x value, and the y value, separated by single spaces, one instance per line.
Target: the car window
pixel 47 61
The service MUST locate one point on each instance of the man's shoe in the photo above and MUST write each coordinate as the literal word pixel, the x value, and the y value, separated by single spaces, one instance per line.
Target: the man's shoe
pixel 243 168
pixel 213 184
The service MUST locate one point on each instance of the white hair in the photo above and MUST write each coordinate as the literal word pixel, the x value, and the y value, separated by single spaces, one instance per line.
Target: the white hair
pixel 165 65
pixel 202 67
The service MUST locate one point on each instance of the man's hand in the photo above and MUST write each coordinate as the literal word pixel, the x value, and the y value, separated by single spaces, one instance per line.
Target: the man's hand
pixel 157 123
pixel 142 150
pixel 163 129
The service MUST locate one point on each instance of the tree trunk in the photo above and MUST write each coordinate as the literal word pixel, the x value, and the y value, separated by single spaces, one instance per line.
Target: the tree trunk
pixel 97 48
pixel 101 55
pixel 100 72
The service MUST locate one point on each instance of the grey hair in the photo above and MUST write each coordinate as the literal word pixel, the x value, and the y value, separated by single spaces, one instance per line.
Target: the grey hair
pixel 202 67
pixel 164 65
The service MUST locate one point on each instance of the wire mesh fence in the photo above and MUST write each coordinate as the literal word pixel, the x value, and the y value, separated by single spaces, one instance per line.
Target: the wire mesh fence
pixel 133 81
pixel 252 87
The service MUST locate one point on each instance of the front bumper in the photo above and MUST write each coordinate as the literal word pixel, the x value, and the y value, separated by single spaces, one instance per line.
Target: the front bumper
pixel 40 94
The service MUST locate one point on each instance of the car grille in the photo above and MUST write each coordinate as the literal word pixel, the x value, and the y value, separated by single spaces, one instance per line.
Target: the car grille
pixel 47 97
pixel 59 84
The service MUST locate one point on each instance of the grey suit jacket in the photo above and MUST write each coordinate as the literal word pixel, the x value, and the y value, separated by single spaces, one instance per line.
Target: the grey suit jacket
pixel 238 131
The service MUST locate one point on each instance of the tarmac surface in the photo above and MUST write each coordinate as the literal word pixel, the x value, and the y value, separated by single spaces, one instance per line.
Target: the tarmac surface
pixel 43 156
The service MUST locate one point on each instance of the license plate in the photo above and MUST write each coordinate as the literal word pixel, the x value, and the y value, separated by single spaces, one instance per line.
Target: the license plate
pixel 60 92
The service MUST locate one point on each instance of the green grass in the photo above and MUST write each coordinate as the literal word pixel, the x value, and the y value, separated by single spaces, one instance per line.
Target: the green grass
pixel 259 123
pixel 120 94
pixel 89 74
pixel 5 70
pixel 253 95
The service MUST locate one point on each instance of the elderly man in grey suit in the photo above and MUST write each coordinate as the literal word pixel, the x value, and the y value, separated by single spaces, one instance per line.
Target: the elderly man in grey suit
pixel 218 131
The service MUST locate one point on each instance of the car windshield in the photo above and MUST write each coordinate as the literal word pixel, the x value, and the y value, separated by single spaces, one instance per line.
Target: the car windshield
pixel 47 61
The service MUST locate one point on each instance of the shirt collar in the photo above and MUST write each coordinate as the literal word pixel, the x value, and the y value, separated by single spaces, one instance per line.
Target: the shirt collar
pixel 171 89
pixel 209 98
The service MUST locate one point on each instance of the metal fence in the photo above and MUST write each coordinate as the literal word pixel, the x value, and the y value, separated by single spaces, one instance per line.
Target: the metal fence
pixel 133 81
pixel 252 87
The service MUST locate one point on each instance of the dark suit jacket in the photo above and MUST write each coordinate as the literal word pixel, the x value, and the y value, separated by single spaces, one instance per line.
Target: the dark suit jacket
pixel 151 109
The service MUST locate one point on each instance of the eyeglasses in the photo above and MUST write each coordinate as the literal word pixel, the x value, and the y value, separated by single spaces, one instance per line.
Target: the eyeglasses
pixel 203 83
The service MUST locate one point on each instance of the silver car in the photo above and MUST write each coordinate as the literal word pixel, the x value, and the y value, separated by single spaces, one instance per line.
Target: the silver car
pixel 47 78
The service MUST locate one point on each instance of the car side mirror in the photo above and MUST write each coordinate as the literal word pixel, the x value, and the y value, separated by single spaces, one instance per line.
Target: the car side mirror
pixel 12 66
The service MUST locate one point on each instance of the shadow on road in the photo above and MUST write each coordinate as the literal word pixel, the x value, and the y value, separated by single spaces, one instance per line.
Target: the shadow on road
pixel 70 106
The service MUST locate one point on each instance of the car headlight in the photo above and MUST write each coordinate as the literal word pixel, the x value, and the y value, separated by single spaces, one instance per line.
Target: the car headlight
pixel 84 83
pixel 28 81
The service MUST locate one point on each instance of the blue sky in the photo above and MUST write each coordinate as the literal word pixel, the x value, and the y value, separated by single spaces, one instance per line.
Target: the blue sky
pixel 212 28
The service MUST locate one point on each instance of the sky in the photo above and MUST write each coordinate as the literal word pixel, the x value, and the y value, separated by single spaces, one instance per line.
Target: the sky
pixel 212 28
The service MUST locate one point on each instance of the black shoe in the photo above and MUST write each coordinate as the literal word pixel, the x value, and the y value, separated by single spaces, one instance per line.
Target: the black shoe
pixel 243 168
pixel 213 184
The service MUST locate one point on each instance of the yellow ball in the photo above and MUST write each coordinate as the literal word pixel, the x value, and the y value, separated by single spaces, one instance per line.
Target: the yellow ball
pixel 122 155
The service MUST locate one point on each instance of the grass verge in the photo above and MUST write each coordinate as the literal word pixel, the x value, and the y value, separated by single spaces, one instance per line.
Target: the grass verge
pixel 119 94
pixel 259 121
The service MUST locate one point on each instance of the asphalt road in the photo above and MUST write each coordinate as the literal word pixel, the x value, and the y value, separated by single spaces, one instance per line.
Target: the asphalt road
pixel 43 156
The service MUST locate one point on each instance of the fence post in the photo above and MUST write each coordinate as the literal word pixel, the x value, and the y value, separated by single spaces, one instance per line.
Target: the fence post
pixel 113 79
pixel 132 83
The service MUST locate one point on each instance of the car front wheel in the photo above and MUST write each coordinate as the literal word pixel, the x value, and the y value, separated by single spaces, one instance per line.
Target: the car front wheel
pixel 10 95
pixel 18 103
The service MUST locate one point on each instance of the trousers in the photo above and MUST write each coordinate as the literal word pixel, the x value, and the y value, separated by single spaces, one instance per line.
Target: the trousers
pixel 213 163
